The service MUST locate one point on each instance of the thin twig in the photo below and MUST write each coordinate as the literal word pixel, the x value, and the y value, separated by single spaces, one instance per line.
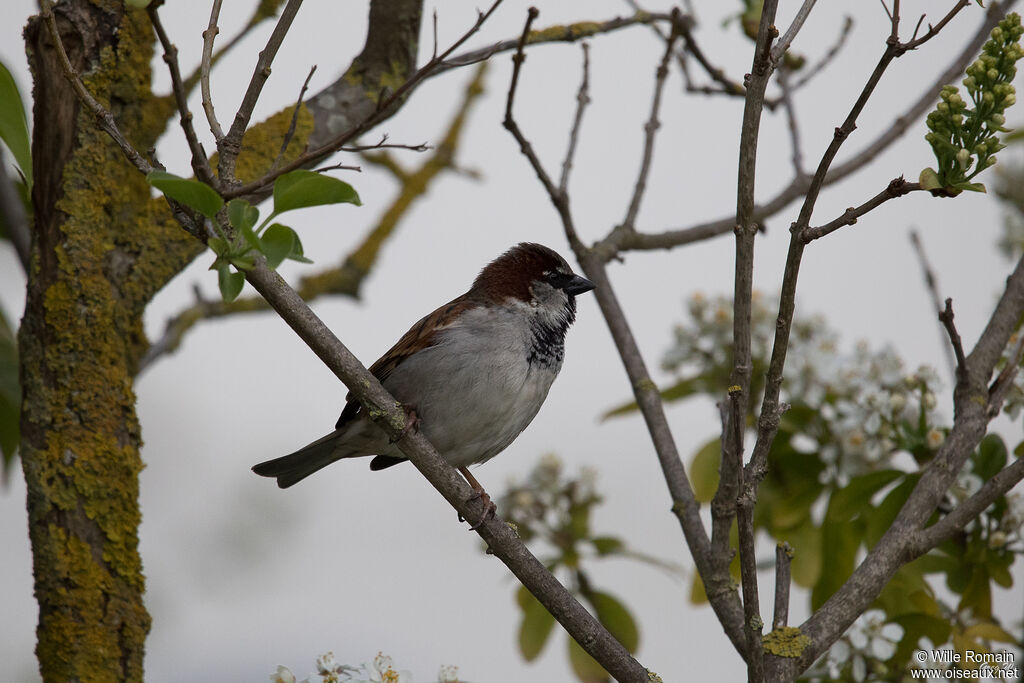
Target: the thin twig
pixel 794 129
pixel 582 100
pixel 204 71
pixel 819 66
pixel 199 161
pixel 104 119
pixel 651 127
pixel 783 581
pixel 779 51
pixel 567 33
pixel 729 86
pixel 231 144
pixel 295 119
pixel 897 187
pixel 946 318
pixel 931 283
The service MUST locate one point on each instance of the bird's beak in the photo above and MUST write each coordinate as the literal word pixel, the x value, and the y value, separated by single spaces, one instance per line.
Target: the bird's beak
pixel 578 285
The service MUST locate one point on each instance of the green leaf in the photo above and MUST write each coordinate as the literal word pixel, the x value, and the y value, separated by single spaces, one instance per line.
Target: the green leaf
pixel 10 394
pixel 616 618
pixel 929 179
pixel 296 253
pixel 536 626
pixel 301 188
pixel 991 457
pixel 242 214
pixel 988 631
pixel 277 244
pixel 584 666
pixel 704 470
pixel 13 125
pixel 230 282
pixel 219 245
pixel 970 187
pixel 881 518
pixel 678 391
pixel 855 497
pixel 918 625
pixel 839 543
pixel 191 193
pixel 807 560
pixel 977 595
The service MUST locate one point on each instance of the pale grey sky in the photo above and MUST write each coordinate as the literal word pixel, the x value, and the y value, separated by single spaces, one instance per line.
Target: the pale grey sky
pixel 243 576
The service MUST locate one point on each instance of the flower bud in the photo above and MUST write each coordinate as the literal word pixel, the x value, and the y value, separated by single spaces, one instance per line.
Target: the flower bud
pixel 997 34
pixel 963 157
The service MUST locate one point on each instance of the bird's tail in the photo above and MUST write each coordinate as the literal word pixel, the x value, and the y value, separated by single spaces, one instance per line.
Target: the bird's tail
pixel 294 467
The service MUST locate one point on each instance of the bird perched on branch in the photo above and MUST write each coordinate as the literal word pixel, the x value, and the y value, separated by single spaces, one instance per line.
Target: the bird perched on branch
pixel 471 375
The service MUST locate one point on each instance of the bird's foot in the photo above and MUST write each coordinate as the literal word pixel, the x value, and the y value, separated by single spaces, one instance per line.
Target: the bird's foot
pixel 478 494
pixel 412 423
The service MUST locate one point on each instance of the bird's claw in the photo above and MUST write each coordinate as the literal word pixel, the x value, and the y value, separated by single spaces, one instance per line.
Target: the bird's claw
pixel 488 512
pixel 412 423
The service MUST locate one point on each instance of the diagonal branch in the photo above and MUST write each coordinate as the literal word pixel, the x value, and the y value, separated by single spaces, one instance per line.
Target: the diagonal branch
pixel 717 581
pixel 205 64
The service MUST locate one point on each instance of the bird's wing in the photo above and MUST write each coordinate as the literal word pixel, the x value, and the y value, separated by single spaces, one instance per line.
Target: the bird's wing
pixel 422 335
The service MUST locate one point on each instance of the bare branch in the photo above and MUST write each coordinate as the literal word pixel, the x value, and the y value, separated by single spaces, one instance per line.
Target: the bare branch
pixel 783 581
pixel 946 318
pixel 826 59
pixel 290 133
pixel 231 144
pixel 204 71
pixel 779 51
pixel 799 185
pixel 385 105
pixel 718 584
pixel 716 74
pixel 199 161
pixel 567 33
pixel 582 100
pixel 897 187
pixel 931 284
pixel 651 128
pixel 794 128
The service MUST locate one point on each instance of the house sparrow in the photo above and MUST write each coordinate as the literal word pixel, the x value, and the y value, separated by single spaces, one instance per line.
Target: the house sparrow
pixel 472 374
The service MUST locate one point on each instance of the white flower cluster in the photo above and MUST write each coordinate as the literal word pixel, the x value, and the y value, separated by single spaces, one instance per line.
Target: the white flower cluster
pixel 867 406
pixel 380 670
pixel 865 647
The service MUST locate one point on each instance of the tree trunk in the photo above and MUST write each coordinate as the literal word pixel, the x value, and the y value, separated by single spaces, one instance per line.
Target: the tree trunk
pixel 97 238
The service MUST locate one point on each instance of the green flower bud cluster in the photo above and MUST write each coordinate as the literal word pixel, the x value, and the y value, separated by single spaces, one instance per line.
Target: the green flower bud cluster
pixel 964 138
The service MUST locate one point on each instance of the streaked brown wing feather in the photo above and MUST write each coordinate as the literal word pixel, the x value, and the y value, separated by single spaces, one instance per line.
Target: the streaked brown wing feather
pixel 420 336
